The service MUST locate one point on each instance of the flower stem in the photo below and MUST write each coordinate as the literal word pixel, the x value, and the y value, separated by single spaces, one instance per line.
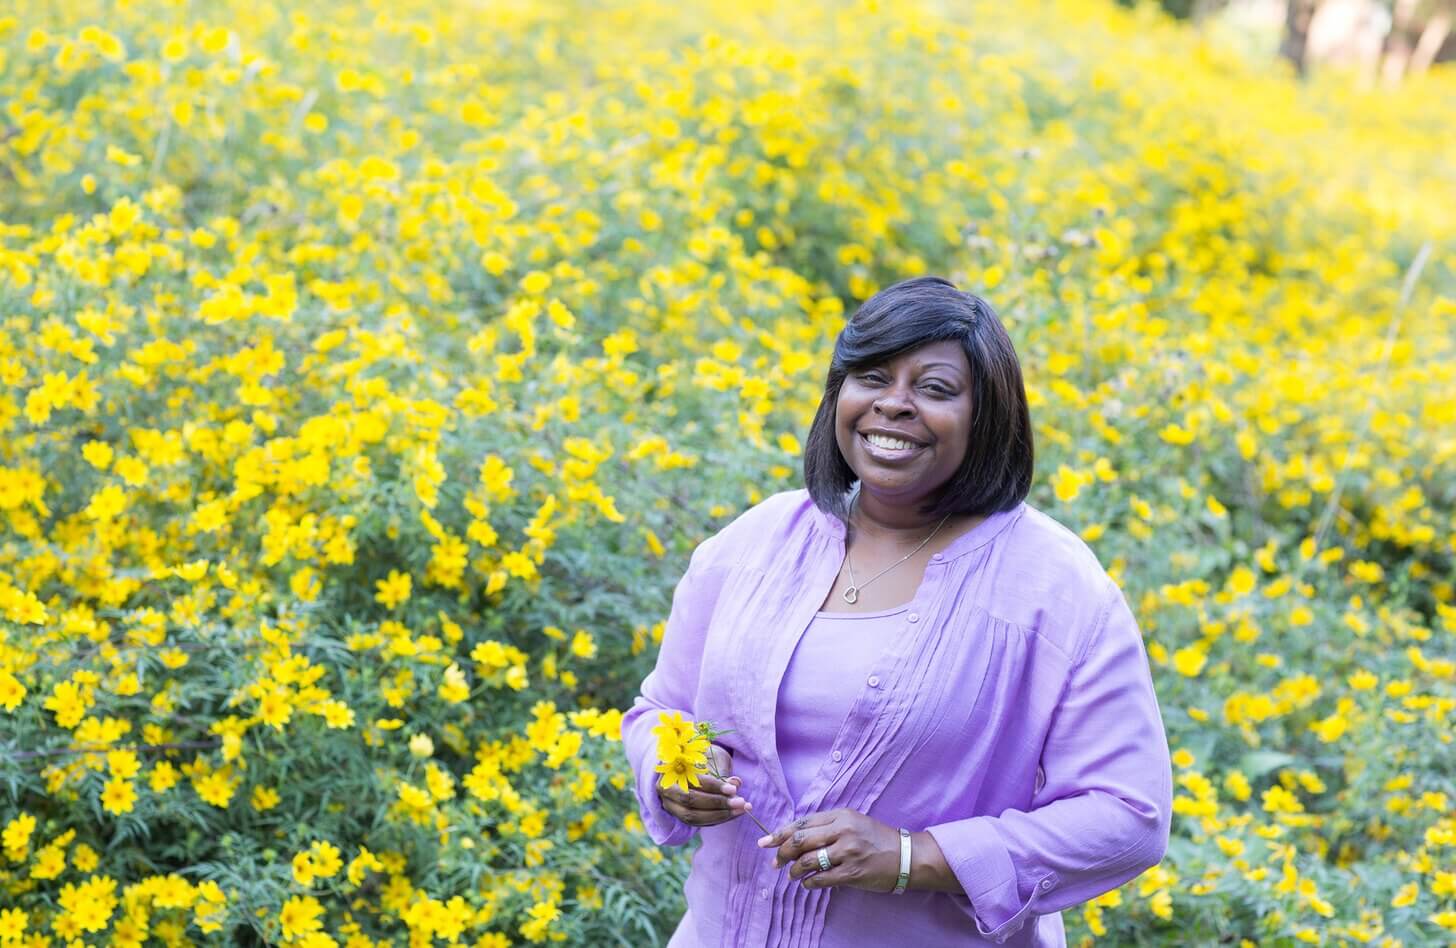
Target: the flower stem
pixel 713 769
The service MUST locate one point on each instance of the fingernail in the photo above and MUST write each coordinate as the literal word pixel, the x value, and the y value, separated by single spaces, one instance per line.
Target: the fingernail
pixel 765 840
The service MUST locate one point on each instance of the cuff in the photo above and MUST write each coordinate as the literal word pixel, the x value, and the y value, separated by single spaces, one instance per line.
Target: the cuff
pixel 983 866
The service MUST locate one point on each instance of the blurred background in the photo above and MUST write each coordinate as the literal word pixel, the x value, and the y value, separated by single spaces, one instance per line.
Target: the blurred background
pixel 1373 40
pixel 370 370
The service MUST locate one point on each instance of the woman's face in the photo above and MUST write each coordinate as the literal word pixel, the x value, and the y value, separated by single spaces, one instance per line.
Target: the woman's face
pixel 922 397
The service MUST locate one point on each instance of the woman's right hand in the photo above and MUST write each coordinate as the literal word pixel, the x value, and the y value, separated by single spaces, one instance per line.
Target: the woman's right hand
pixel 712 801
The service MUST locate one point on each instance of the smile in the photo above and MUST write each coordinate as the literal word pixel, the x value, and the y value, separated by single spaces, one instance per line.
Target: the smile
pixel 889 449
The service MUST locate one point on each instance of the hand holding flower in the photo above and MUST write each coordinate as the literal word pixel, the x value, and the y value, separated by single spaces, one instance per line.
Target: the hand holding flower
pixel 695 785
pixel 712 801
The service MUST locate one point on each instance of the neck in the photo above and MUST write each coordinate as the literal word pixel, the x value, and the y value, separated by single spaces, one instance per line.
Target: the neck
pixel 897 523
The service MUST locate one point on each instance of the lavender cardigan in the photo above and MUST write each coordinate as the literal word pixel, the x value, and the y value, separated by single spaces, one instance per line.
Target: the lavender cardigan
pixel 1013 719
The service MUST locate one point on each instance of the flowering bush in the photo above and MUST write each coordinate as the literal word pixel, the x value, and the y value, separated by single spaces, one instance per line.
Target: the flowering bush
pixel 368 372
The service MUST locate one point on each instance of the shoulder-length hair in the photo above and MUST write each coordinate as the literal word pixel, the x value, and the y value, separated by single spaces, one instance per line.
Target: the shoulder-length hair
pixel 997 470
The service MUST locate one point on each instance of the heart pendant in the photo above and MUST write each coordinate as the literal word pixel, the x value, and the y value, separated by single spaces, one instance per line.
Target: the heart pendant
pixel 850 594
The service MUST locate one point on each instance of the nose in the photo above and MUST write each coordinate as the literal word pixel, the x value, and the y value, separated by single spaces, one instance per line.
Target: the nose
pixel 893 402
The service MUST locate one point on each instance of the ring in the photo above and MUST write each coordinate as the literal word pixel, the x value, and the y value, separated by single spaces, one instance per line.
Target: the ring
pixel 823 859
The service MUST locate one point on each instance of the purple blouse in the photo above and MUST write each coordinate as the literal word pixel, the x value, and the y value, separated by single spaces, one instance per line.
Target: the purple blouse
pixel 835 655
pixel 1013 718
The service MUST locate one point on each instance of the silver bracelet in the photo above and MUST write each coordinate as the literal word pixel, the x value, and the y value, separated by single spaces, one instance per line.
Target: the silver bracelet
pixel 904 878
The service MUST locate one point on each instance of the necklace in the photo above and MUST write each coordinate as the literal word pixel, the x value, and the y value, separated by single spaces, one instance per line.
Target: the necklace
pixel 851 592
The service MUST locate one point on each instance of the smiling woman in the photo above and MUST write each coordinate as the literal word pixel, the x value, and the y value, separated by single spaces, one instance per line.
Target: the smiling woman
pixel 927 365
pixel 981 746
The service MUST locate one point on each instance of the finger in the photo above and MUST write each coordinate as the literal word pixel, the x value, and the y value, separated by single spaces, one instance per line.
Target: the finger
pixel 804 840
pixel 801 850
pixel 736 803
pixel 834 875
pixel 698 817
pixel 709 784
pixel 704 800
pixel 780 835
pixel 808 864
pixel 727 788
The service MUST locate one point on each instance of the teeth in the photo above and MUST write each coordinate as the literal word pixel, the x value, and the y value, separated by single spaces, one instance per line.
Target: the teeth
pixel 893 444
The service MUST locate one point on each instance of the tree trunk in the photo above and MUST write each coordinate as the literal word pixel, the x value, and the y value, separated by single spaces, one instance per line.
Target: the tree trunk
pixel 1297 17
pixel 1398 45
pixel 1433 37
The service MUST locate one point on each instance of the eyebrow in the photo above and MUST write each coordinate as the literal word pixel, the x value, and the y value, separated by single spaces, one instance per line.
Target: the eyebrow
pixel 924 366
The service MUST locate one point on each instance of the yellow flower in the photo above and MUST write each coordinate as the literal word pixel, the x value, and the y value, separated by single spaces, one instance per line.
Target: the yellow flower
pixel 118 796
pixel 327 860
pixel 582 645
pixel 68 702
pixel 535 282
pixel 1189 661
pixel 1362 680
pixel 393 590
pixel 303 872
pixel 1241 581
pixel 454 688
pixel 680 770
pixel 123 763
pixel 12 692
pixel 16 836
pixel 216 788
pixel 264 798
pixel 1067 483
pixel 274 708
pixel 90 904
pixel 12 924
pixel 672 724
pixel 300 916
pixel 1238 785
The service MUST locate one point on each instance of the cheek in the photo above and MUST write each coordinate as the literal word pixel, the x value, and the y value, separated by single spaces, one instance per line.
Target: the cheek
pixel 958 427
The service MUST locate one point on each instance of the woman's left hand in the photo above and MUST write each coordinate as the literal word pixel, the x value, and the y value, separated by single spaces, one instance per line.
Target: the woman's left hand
pixel 863 852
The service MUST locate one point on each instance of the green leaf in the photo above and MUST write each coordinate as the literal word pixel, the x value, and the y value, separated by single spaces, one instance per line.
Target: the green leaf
pixel 1256 764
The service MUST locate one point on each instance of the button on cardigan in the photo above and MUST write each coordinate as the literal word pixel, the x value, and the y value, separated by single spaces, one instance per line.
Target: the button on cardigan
pixel 813 706
pixel 1014 720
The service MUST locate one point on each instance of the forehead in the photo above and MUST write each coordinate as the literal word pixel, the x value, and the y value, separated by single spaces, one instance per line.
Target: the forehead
pixel 945 354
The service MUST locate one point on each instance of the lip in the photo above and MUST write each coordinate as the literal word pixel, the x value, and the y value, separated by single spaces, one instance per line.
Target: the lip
pixel 885 454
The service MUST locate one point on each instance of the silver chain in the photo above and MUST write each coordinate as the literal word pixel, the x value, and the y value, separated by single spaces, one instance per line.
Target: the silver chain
pixel 851 592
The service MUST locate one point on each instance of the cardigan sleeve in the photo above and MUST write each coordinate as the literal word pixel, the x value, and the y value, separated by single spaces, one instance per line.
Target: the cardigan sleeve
pixel 1108 794
pixel 670 686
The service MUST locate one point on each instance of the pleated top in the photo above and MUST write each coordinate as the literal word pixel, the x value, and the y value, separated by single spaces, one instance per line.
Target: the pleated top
pixel 834 659
pixel 1009 713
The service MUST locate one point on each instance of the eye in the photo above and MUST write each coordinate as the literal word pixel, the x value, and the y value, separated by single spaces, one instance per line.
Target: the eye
pixel 939 390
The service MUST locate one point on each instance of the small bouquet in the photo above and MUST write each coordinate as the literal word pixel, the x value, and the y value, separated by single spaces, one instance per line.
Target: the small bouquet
pixel 685 750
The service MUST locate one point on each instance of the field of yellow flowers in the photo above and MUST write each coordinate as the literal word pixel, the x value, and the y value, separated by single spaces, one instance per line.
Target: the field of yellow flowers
pixel 368 372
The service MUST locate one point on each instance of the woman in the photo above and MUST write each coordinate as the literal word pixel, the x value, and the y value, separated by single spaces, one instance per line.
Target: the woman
pixel 921 672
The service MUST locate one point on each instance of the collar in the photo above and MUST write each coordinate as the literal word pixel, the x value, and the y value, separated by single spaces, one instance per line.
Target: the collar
pixel 972 539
